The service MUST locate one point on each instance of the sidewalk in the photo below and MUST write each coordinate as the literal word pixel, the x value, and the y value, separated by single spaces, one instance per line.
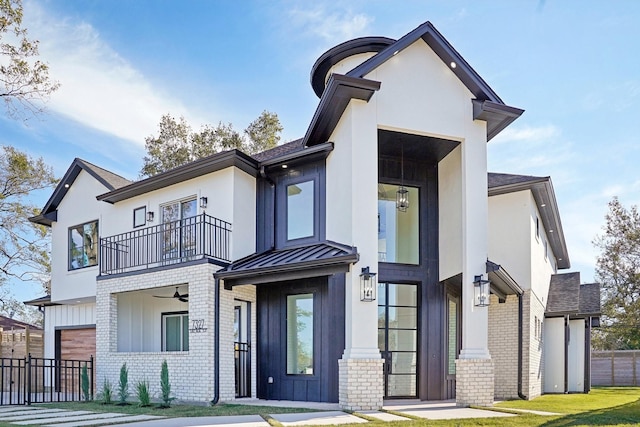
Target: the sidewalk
pixel 327 415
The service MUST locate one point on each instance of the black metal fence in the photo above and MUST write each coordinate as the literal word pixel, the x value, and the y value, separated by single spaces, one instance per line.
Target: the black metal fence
pixel 197 237
pixel 39 380
pixel 243 369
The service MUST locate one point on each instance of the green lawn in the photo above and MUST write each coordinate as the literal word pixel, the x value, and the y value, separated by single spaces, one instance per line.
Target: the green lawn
pixel 611 406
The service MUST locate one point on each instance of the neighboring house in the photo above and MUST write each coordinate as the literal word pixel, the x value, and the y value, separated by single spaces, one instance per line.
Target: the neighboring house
pixel 341 267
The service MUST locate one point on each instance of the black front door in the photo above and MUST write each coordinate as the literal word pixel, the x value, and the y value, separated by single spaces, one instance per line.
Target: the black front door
pixel 398 338
pixel 300 339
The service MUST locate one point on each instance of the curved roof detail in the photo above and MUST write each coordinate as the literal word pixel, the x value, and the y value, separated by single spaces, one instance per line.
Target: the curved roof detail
pixel 344 50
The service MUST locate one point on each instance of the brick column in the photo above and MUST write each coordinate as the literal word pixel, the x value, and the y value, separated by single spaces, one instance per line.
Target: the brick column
pixel 474 382
pixel 361 384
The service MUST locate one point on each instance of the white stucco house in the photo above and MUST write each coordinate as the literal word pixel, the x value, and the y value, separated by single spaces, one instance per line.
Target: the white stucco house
pixel 345 266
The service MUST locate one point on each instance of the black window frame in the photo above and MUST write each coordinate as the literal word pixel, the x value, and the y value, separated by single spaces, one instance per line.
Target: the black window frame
pixel 314 172
pixel 97 243
pixel 144 216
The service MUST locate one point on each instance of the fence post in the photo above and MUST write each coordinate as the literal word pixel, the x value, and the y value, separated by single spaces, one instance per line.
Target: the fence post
pixel 613 368
pixel 91 377
pixel 635 379
pixel 28 379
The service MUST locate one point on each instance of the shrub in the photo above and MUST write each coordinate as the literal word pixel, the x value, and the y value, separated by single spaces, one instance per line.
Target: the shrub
pixel 123 386
pixel 84 383
pixel 165 385
pixel 142 389
pixel 107 392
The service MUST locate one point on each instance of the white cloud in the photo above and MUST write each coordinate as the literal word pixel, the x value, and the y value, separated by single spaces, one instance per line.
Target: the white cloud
pixel 334 26
pixel 527 133
pixel 100 89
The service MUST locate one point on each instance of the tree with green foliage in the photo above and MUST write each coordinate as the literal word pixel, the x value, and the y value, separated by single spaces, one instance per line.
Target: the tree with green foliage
pixel 107 392
pixel 263 132
pixel 618 271
pixel 84 383
pixel 123 385
pixel 24 80
pixel 178 144
pixel 24 247
pixel 165 385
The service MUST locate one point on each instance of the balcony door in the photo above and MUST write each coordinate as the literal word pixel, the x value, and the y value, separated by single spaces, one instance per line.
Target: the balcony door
pixel 179 229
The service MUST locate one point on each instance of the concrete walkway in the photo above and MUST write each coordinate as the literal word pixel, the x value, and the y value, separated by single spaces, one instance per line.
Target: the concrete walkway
pixel 327 414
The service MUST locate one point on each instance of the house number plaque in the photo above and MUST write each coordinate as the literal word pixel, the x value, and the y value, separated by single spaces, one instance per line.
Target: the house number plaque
pixel 197 325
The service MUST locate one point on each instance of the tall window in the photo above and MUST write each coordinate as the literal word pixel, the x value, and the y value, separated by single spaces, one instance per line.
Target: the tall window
pixel 300 334
pixel 300 210
pixel 175 328
pixel 398 232
pixel 83 245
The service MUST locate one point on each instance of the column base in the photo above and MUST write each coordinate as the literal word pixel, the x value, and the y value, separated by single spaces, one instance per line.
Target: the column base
pixel 361 385
pixel 474 382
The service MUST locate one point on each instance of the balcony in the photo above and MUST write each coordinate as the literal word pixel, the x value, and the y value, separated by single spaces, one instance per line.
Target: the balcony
pixel 190 239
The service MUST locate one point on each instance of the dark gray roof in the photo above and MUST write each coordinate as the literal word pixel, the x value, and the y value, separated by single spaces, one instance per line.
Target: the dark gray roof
pixel 564 294
pixel 280 150
pixel 7 324
pixel 277 265
pixel 568 297
pixel 545 198
pixel 590 298
pixel 504 179
pixel 109 179
pixel 182 173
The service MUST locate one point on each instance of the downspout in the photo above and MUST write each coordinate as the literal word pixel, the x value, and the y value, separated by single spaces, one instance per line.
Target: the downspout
pixel 216 348
pixel 567 338
pixel 520 350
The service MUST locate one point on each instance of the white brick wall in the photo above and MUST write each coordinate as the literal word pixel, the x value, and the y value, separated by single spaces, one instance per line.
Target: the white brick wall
pixel 474 382
pixel 503 346
pixel 533 369
pixel 361 384
pixel 192 372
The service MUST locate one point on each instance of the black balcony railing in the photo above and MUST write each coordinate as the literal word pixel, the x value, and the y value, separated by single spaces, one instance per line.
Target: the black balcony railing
pixel 175 242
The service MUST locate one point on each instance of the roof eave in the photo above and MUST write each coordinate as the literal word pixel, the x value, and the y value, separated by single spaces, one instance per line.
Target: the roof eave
pixel 319 151
pixel 182 173
pixel 497 115
pixel 335 99
pixel 545 199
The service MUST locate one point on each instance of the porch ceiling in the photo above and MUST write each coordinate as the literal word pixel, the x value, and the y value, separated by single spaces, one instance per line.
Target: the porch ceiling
pixel 289 263
pixel 415 147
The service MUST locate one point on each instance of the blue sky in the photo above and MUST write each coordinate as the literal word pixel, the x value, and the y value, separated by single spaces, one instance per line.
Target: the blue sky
pixel 572 65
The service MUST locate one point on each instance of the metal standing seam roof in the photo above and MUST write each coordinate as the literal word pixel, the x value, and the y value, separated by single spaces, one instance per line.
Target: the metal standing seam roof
pixel 321 254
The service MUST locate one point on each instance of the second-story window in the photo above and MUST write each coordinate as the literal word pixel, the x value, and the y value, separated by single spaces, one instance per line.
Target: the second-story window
pixel 300 210
pixel 83 245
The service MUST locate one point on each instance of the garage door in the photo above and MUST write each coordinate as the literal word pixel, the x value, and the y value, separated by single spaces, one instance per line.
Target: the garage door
pixel 77 344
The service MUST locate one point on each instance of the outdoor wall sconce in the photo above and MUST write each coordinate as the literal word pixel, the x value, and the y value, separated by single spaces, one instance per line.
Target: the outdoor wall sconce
pixel 481 291
pixel 368 285
pixel 203 202
pixel 150 216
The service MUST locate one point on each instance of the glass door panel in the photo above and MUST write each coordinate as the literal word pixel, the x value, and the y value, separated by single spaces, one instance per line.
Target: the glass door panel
pixel 398 338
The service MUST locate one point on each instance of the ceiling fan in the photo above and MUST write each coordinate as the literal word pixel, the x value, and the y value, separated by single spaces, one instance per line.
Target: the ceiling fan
pixel 177 295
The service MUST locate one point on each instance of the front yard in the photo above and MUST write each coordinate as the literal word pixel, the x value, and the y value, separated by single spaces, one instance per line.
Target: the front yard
pixel 610 406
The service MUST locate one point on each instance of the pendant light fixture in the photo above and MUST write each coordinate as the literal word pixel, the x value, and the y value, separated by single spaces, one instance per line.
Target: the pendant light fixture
pixel 402 195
